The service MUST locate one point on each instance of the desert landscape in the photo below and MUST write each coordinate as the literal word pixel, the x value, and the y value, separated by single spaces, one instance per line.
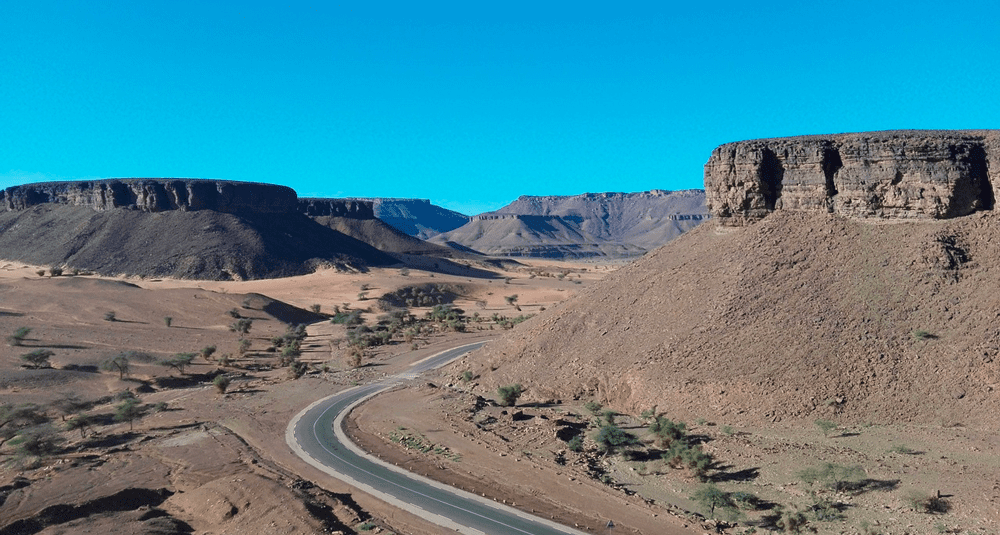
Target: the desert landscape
pixel 818 355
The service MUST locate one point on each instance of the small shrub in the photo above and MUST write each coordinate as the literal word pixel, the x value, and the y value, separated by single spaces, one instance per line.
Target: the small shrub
pixel 835 476
pixel 221 383
pixel 826 426
pixel 609 416
pixel 927 503
pixel 110 316
pixel 728 430
pixel 55 271
pixel 903 450
pixel 467 376
pixel 207 352
pixel 242 326
pixel 18 336
pixel 235 313
pixel 316 308
pixel 921 334
pixel 167 320
pixel 611 438
pixel 509 394
pixel 297 369
pixel 575 443
pixel 40 272
pixel 593 407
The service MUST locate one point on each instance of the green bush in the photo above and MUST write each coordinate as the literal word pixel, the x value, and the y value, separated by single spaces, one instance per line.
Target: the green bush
pixel 713 499
pixel 18 336
pixel 835 476
pixel 594 407
pixel 610 438
pixel 575 443
pixel 826 426
pixel 509 394
pixel 221 383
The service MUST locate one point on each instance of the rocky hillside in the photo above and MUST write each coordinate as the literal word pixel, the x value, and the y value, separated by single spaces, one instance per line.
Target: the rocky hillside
pixel 897 174
pixel 416 217
pixel 582 226
pixel 647 219
pixel 200 229
pixel 530 236
pixel 799 315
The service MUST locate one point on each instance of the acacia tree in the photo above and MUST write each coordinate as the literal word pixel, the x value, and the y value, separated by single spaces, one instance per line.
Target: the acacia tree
pixel 509 394
pixel 117 363
pixel 38 358
pixel 610 438
pixel 81 422
pixel 128 411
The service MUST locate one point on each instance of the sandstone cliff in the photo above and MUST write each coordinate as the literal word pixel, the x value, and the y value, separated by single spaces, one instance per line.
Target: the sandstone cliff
pixel 904 174
pixel 155 195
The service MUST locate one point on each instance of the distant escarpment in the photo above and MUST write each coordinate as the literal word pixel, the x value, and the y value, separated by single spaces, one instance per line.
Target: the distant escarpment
pixel 416 217
pixel 181 228
pixel 155 195
pixel 901 174
pixel 613 225
pixel 350 208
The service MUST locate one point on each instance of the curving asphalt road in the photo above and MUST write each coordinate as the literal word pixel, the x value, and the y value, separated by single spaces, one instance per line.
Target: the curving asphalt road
pixel 316 434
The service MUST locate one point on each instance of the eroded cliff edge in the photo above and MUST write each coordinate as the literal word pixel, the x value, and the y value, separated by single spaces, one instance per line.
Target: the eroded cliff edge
pixel 897 174
pixel 155 195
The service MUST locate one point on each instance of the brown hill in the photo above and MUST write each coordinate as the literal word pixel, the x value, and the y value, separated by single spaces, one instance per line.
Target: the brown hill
pixel 802 315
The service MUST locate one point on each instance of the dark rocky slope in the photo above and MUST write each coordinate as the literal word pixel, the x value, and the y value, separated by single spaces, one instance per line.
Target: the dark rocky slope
pixel 198 229
pixel 416 217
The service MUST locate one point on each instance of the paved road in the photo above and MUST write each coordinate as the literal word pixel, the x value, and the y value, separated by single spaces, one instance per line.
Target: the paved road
pixel 316 434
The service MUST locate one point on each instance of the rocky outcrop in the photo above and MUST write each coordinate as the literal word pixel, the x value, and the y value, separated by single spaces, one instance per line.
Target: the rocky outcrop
pixel 349 208
pixel 901 174
pixel 155 195
pixel 416 217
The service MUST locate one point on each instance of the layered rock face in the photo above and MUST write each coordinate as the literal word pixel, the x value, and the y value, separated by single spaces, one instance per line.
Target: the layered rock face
pixel 913 174
pixel 350 208
pixel 155 195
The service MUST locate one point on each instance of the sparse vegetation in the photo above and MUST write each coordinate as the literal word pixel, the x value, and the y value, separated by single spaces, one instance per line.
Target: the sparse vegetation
pixel 316 308
pixel 712 499
pixel 207 352
pixel 467 376
pixel 179 361
pixel 610 439
pixel 118 363
pixel 55 271
pixel 927 503
pixel 167 320
pixel 128 410
pixel 110 316
pixel 826 426
pixel 834 476
pixel 38 358
pixel 921 334
pixel 508 395
pixel 18 336
pixel 221 383
pixel 594 407
pixel 241 326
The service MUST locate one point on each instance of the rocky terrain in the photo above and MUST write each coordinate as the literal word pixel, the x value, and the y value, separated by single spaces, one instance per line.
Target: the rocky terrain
pixel 805 313
pixel 898 174
pixel 416 217
pixel 530 236
pixel 647 219
pixel 615 225
pixel 199 229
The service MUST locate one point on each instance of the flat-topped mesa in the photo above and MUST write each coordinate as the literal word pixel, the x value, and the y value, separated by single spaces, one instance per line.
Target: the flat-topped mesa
pixel 155 195
pixel 349 208
pixel 896 174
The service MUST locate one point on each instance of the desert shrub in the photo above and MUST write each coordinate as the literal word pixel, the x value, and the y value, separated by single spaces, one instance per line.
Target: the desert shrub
pixel 792 521
pixel 297 369
pixel 15 418
pixel 235 313
pixel 347 318
pixel 167 320
pixel 55 271
pixel 110 316
pixel 355 355
pixel 40 272
pixel 467 376
pixel 826 426
pixel 921 334
pixel 594 407
pixel 38 358
pixel 667 431
pixel 316 308
pixel 242 326
pixel 835 476
pixel 18 336
pixel 927 503
pixel 221 383
pixel 575 443
pixel 509 394
pixel 746 501
pixel 39 441
pixel 609 416
pixel 680 454
pixel 244 346
pixel 207 352
pixel 610 438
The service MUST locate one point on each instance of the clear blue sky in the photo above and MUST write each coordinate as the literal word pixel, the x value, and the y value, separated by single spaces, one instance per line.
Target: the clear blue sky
pixel 469 106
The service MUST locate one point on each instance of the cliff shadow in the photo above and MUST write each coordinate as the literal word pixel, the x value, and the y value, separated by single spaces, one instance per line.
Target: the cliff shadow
pixel 771 172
